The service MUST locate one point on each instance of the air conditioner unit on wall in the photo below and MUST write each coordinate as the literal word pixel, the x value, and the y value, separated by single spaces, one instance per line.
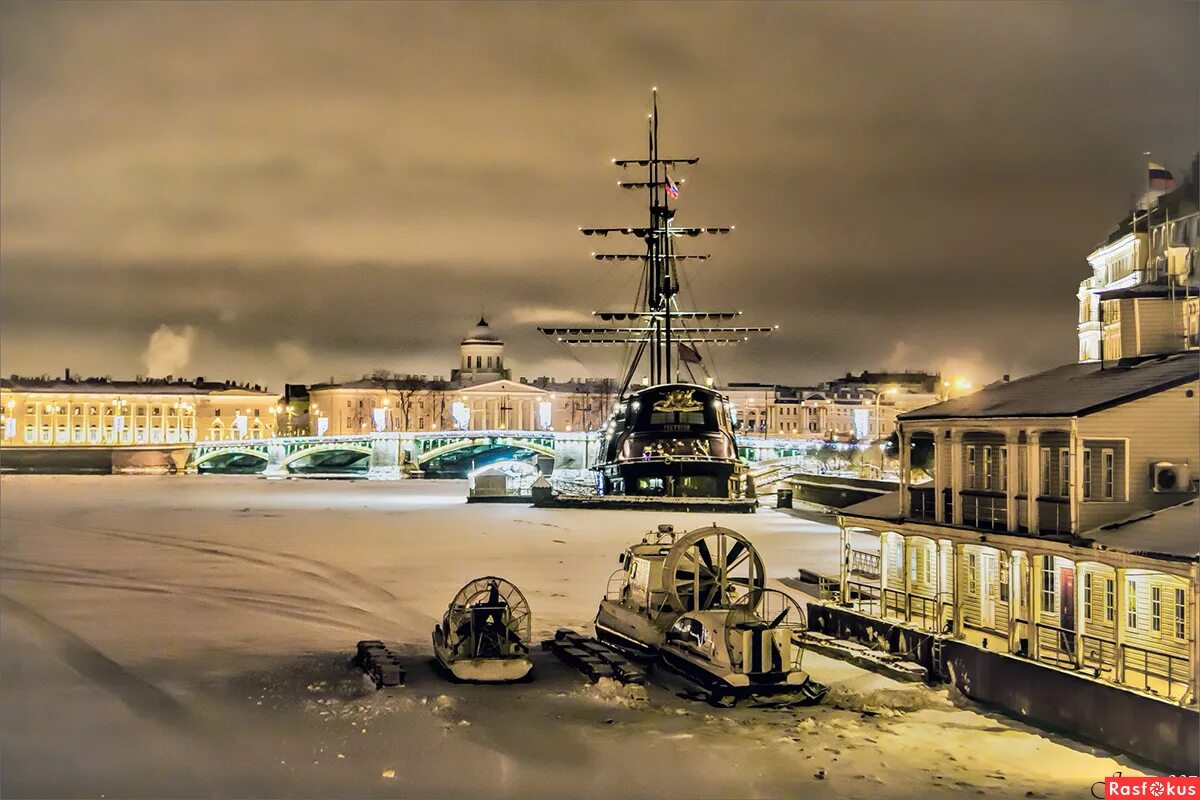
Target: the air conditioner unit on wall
pixel 1170 477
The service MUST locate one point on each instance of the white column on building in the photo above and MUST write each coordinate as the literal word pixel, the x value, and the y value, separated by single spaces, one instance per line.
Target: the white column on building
pixel 940 482
pixel 1119 620
pixel 956 474
pixel 1012 470
pixel 844 575
pixel 1035 603
pixel 883 568
pixel 1074 473
pixel 959 600
pixel 1033 478
pixel 1190 623
pixel 1080 618
pixel 1015 565
pixel 906 553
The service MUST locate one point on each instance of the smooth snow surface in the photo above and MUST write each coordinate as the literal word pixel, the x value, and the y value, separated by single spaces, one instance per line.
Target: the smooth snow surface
pixel 188 637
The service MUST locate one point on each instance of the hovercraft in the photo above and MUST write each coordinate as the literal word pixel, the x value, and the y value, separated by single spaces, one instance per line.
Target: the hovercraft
pixel 485 633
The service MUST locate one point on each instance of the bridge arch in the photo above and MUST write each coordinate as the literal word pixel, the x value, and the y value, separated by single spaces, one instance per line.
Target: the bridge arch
pixel 228 451
pixel 468 442
pixel 329 447
pixel 231 460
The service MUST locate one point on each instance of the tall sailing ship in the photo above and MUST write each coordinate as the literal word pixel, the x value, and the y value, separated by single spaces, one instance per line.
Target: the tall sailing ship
pixel 667 437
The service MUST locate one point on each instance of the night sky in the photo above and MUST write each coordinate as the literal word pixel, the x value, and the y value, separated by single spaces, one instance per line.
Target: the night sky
pixel 301 192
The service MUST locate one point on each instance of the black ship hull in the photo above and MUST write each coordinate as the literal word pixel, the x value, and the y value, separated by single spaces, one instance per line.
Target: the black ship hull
pixel 672 441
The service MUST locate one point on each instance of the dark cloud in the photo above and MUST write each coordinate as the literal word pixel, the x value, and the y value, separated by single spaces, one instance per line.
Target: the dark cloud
pixel 319 190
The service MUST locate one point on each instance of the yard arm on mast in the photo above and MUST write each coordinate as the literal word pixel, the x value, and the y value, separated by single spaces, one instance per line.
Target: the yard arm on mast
pixel 664 326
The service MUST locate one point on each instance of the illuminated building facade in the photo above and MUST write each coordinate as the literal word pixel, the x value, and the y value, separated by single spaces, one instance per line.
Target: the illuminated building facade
pixel 91 412
pixel 857 408
pixel 479 396
pixel 1143 296
pixel 1054 529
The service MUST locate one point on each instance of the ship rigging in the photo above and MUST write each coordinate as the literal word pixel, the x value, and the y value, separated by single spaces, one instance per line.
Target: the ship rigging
pixel 669 438
pixel 669 337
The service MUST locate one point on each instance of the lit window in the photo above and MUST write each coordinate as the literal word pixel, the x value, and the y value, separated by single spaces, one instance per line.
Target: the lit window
pixel 1045 471
pixel 972 574
pixel 1180 615
pixel 1003 469
pixel 1087 595
pixel 1064 472
pixel 1109 480
pixel 987 467
pixel 1155 609
pixel 970 476
pixel 1131 604
pixel 1087 474
pixel 1049 601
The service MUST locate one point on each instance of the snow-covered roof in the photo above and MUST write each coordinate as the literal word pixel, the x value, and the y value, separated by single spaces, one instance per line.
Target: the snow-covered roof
pixel 144 386
pixel 1070 390
pixel 482 333
pixel 884 506
pixel 1172 532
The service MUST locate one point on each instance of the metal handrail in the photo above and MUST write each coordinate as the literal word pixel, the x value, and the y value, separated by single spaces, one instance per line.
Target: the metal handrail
pixel 922 502
pixel 1147 673
pixel 865 563
pixel 619 578
pixel 926 603
pixel 1102 657
pixel 868 595
pixel 1063 643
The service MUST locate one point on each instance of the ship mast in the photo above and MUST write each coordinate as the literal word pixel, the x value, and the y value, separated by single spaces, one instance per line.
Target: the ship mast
pixel 660 326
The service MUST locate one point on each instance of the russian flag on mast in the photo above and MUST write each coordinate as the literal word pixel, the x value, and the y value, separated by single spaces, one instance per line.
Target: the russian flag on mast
pixel 1159 176
pixel 672 189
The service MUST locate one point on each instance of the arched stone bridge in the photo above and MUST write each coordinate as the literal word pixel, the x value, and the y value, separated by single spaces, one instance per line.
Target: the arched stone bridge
pixel 390 455
pixel 394 455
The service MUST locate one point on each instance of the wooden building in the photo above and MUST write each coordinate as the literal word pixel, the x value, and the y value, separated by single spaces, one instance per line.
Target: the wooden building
pixel 1059 524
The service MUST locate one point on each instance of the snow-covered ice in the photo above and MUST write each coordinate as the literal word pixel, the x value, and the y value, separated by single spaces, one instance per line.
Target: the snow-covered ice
pixel 188 636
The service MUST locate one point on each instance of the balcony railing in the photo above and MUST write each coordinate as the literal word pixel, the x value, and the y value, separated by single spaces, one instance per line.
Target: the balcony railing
pixel 984 509
pixel 922 503
pixel 864 564
pixel 1055 644
pixel 1054 515
pixel 1099 654
pixel 908 606
pixel 1155 671
pixel 864 596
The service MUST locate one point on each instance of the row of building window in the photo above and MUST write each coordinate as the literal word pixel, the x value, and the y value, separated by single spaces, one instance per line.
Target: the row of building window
pixel 479 362
pixel 31 410
pixel 109 434
pixel 987 468
pixel 1050 601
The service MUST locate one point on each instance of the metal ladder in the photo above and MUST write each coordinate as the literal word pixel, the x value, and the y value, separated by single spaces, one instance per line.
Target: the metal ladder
pixel 937 663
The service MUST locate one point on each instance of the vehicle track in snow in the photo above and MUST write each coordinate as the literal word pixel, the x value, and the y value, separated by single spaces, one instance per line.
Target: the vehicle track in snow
pixel 288 606
pixel 354 593
pixel 140 696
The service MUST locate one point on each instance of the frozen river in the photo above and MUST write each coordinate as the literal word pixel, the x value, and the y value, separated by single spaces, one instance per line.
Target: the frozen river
pixel 187 636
